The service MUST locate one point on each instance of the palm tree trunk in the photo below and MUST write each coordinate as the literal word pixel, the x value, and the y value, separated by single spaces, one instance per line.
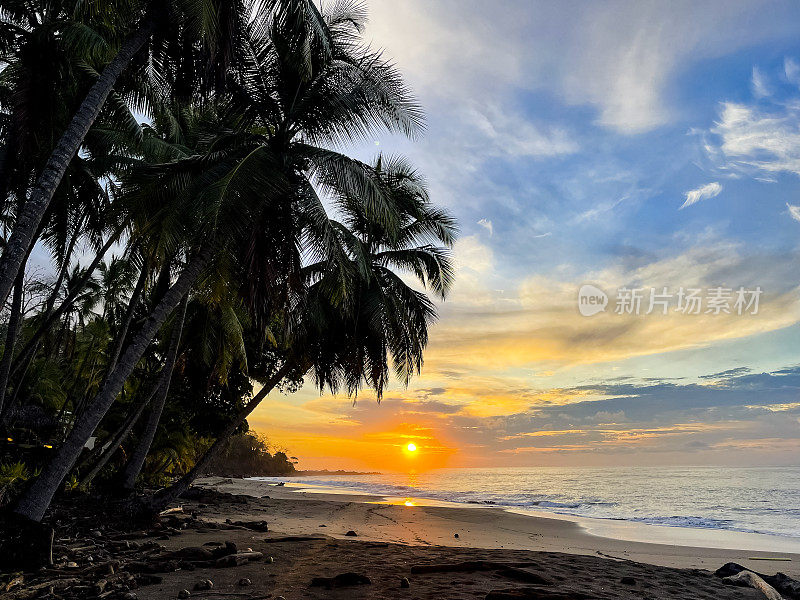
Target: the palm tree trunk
pixel 36 499
pixel 165 497
pixel 62 272
pixel 123 332
pixel 29 218
pixel 119 436
pixel 134 466
pixel 14 322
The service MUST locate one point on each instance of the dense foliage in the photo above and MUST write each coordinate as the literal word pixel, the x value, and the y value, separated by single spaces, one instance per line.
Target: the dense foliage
pixel 210 241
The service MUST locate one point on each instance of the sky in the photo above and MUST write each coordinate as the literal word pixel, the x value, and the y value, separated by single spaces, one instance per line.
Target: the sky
pixel 623 145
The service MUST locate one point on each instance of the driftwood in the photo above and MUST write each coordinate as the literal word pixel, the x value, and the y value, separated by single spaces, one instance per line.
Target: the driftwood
pixel 467 567
pixel 32 591
pixel 783 584
pixel 293 538
pixel 750 579
pixel 524 576
pixel 341 580
pixel 534 593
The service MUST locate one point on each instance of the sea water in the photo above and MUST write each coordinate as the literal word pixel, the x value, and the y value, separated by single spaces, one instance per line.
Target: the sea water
pixel 756 500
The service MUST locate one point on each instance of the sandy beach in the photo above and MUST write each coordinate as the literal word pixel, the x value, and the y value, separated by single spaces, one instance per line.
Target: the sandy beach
pixel 520 554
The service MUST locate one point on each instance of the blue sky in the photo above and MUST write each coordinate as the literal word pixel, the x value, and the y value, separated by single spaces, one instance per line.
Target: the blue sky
pixel 618 143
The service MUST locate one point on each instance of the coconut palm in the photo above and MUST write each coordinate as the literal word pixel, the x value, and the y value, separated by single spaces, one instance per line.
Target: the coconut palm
pixel 109 35
pixel 244 202
pixel 385 322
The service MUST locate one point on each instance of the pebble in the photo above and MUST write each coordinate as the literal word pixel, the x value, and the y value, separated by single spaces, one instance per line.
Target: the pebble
pixel 456 536
pixel 628 581
pixel 404 583
pixel 244 582
pixel 206 584
pixel 129 596
pixel 351 533
pixel 269 560
pixel 184 594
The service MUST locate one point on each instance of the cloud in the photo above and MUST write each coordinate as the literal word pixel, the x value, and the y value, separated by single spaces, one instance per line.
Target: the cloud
pixel 791 70
pixel 618 57
pixel 794 211
pixel 759 84
pixel 749 140
pixel 709 190
pixel 504 132
pixel 487 225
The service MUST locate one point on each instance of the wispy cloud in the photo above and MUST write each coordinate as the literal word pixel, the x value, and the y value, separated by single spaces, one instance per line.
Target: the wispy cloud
pixel 709 190
pixel 752 140
pixel 759 83
pixel 487 225
pixel 794 211
pixel 506 132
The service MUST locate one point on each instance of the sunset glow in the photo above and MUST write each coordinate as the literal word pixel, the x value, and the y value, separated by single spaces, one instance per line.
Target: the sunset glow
pixel 514 374
pixel 411 448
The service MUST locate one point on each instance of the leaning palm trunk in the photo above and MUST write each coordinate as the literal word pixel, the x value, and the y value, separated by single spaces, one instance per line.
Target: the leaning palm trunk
pixel 165 497
pixel 123 331
pixel 14 322
pixel 106 451
pixel 134 466
pixel 36 499
pixel 34 209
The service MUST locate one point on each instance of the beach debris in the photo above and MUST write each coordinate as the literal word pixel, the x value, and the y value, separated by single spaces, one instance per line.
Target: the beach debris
pixel 205 584
pixel 627 581
pixel 776 558
pixel 524 576
pixel 171 511
pixel 341 580
pixel 238 559
pixel 750 579
pixel 404 583
pixel 784 584
pixel 534 593
pixel 13 580
pixel 184 594
pixel 351 533
pixel 468 566
pixel 253 525
pixel 293 538
pixel 244 582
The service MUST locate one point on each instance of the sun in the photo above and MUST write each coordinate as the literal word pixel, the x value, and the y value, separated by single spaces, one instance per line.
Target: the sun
pixel 411 447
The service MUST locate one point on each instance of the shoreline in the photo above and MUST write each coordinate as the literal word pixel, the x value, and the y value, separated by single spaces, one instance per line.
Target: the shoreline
pixel 614 528
pixel 432 523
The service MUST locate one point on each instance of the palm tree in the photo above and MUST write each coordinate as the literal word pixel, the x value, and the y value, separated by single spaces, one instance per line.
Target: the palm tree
pixel 244 201
pixel 104 32
pixel 385 321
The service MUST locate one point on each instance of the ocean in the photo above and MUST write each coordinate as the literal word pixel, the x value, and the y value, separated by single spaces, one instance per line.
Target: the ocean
pixel 748 499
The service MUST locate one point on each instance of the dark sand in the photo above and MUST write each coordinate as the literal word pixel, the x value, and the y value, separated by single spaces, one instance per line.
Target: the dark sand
pixel 392 540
